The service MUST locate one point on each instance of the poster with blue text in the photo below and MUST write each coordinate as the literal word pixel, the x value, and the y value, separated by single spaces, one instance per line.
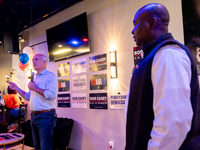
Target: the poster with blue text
pixel 79 66
pixel 98 101
pixel 98 82
pixel 63 69
pixel 79 100
pixel 63 84
pixel 118 100
pixel 63 100
pixel 98 63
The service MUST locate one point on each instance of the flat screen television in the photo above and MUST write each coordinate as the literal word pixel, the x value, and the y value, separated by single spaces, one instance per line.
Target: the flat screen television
pixel 68 39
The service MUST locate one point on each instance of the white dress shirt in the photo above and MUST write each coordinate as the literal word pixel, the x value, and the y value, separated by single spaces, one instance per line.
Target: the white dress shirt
pixel 48 81
pixel 171 76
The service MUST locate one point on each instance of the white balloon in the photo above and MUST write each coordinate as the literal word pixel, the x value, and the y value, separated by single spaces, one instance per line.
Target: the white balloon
pixel 28 50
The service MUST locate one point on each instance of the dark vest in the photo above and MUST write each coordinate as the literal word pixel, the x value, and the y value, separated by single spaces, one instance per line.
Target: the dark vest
pixel 140 114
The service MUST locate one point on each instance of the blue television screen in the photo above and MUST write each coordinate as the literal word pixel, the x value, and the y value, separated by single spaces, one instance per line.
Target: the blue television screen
pixel 68 39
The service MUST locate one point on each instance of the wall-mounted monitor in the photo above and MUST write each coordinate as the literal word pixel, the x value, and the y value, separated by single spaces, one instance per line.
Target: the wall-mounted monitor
pixel 69 38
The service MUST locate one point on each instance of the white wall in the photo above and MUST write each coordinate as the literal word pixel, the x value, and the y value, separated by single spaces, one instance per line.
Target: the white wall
pixel 110 25
pixel 6 67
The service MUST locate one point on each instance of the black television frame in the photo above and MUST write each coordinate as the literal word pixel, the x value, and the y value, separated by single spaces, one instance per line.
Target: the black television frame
pixel 63 34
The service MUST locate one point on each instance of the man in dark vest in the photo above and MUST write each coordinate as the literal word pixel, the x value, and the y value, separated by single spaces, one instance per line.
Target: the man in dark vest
pixel 163 108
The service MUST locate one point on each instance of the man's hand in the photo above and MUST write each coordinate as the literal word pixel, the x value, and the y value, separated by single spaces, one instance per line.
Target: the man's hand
pixel 32 86
pixel 13 86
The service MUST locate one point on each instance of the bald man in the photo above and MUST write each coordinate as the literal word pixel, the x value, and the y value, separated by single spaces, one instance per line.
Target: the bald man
pixel 162 108
pixel 42 95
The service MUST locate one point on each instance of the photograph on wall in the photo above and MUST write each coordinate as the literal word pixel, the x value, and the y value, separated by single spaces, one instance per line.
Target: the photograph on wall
pixel 191 20
pixel 98 101
pixel 63 84
pixel 137 54
pixel 79 100
pixel 118 100
pixel 63 69
pixel 79 82
pixel 63 100
pixel 98 63
pixel 98 82
pixel 79 66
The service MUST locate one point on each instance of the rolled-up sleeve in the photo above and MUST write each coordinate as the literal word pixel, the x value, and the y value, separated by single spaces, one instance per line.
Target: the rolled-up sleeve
pixel 27 96
pixel 51 87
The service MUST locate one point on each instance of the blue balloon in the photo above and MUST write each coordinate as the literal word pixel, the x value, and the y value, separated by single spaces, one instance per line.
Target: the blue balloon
pixel 23 58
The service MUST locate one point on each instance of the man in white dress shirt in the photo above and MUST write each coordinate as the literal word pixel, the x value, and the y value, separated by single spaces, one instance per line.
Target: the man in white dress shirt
pixel 42 95
pixel 163 111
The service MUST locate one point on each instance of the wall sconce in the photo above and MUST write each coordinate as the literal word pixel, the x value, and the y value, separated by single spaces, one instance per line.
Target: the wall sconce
pixel 113 64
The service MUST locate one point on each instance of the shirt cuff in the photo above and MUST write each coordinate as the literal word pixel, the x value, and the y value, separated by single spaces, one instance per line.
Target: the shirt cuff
pixel 27 96
pixel 49 95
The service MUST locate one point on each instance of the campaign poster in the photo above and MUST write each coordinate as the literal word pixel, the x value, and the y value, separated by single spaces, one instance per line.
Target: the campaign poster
pixel 117 100
pixel 79 100
pixel 98 101
pixel 63 69
pixel 98 82
pixel 63 84
pixel 79 82
pixel 63 100
pixel 79 66
pixel 98 63
pixel 191 19
pixel 137 54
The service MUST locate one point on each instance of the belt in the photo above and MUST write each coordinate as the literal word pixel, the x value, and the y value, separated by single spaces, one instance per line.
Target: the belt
pixel 42 111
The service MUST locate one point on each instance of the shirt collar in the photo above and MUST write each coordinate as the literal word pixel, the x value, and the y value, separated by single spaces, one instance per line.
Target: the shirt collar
pixel 148 48
pixel 43 72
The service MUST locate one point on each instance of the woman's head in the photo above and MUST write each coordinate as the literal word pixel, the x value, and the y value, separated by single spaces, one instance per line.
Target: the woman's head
pixel 11 91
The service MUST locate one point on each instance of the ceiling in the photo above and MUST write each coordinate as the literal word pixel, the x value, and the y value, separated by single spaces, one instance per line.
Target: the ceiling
pixel 18 15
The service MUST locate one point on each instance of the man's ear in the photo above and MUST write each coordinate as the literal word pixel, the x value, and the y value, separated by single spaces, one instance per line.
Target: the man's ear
pixel 153 22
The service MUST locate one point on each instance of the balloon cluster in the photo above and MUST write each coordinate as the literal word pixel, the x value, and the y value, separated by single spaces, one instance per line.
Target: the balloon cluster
pixel 24 58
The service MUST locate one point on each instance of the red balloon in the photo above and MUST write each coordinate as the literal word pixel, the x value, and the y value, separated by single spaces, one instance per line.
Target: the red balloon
pixel 22 66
